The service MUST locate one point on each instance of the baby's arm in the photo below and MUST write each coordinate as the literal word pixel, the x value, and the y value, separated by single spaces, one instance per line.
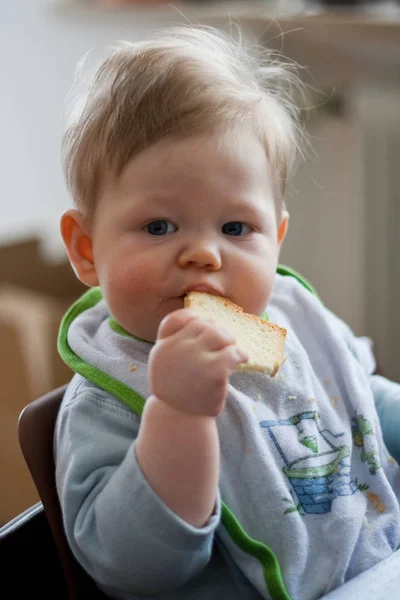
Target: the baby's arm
pixel 178 446
pixel 120 531
pixel 179 456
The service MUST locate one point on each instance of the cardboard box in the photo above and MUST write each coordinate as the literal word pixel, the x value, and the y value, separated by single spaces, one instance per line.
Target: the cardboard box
pixel 17 488
pixel 34 295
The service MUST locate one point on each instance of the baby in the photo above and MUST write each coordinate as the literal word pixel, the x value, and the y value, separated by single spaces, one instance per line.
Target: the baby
pixel 178 477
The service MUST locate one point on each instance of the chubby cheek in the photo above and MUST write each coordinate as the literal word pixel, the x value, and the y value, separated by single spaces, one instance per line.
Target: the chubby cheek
pixel 256 285
pixel 128 290
pixel 257 302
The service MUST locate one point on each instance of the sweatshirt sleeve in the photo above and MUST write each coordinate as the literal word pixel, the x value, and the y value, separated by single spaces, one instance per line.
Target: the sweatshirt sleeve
pixel 120 531
pixel 387 402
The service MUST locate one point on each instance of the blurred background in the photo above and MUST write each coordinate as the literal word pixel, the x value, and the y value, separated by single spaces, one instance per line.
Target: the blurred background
pixel 344 200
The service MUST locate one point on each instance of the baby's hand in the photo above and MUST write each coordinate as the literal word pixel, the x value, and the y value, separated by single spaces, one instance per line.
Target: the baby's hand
pixel 190 363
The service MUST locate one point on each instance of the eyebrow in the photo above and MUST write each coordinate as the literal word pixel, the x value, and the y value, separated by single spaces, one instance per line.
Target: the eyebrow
pixel 158 203
pixel 157 199
pixel 161 200
pixel 240 204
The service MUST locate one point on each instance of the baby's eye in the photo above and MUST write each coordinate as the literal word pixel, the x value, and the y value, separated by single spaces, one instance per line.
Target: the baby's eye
pixel 160 227
pixel 236 228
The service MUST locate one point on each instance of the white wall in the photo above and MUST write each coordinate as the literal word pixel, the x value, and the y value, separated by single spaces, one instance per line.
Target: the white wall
pixel 39 48
pixel 326 236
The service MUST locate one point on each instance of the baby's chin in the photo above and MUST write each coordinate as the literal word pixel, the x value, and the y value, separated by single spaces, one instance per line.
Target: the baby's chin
pixel 147 328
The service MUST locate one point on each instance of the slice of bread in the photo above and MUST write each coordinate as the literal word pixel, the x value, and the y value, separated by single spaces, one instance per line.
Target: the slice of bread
pixel 263 341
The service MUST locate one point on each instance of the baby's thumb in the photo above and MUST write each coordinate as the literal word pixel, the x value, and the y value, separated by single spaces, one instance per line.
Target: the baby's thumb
pixel 174 322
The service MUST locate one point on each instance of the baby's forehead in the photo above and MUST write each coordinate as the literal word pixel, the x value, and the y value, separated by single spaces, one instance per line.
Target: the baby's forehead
pixel 204 158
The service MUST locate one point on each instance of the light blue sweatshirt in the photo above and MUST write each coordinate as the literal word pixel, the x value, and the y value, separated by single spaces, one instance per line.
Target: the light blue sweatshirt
pixel 308 494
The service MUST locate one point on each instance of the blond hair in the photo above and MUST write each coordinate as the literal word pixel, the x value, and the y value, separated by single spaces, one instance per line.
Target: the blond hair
pixel 184 81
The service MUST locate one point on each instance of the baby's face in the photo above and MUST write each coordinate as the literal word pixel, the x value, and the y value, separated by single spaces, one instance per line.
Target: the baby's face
pixel 187 214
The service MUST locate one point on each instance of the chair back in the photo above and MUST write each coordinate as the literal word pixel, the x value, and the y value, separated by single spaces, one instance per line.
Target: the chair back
pixel 35 431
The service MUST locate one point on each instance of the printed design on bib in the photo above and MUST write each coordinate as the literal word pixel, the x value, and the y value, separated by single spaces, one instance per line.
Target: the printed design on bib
pixel 315 462
pixel 364 437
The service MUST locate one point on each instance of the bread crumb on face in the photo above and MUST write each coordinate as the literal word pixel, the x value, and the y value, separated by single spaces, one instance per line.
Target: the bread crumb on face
pixel 133 368
pixel 292 397
pixel 327 381
pixel 259 397
pixel 334 400
pixel 313 399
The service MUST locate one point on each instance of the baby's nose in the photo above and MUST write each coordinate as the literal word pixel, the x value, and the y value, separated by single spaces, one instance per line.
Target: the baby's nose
pixel 200 254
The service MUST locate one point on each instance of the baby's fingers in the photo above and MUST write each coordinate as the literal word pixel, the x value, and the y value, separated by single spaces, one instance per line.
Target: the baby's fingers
pixel 214 337
pixel 174 322
pixel 233 356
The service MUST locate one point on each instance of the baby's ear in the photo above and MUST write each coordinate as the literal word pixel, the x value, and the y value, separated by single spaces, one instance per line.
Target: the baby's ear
pixel 78 243
pixel 283 226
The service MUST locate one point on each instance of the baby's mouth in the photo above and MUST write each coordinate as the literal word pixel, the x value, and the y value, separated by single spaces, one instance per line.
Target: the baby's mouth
pixel 205 288
pixel 201 287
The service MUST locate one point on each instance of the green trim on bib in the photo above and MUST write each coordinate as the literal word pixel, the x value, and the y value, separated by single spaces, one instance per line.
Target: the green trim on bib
pixel 127 395
pixel 267 558
pixel 284 270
